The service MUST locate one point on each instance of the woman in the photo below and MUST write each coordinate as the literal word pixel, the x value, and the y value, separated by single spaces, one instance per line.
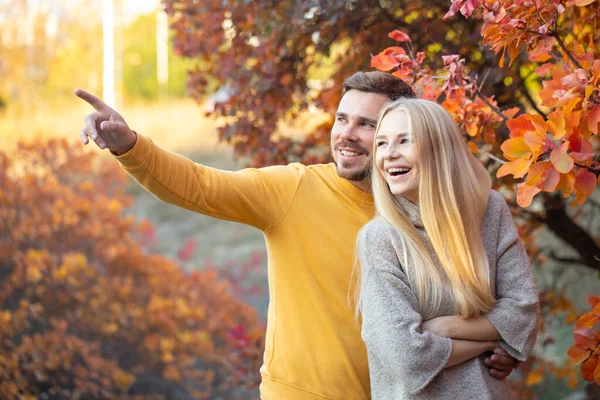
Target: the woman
pixel 444 278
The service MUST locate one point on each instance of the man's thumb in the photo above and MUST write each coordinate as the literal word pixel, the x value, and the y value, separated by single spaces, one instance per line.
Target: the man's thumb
pixel 112 126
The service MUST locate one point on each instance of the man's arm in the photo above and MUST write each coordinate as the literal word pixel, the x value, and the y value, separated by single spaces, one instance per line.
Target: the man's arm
pixel 257 197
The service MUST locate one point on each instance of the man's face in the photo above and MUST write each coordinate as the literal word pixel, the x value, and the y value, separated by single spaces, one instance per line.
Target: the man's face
pixel 352 135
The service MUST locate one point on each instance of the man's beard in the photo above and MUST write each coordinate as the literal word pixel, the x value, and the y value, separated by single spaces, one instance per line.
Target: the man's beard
pixel 355 176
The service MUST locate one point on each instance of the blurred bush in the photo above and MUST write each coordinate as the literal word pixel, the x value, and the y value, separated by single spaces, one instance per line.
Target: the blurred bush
pixel 87 312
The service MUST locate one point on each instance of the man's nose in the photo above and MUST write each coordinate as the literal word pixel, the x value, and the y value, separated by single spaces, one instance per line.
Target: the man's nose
pixel 349 133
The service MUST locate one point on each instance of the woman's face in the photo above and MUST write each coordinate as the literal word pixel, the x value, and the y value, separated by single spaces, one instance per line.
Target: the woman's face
pixel 396 154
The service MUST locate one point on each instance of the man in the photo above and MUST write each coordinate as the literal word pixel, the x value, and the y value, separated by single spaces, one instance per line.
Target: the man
pixel 310 216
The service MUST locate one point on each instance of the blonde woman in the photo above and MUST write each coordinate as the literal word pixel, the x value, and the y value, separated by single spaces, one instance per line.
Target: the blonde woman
pixel 444 278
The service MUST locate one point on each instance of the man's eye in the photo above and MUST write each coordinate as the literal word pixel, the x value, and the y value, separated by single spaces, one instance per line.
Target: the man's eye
pixel 341 119
pixel 368 125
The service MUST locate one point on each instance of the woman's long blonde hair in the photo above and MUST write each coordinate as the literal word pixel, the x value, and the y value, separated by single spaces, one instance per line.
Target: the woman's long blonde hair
pixel 452 204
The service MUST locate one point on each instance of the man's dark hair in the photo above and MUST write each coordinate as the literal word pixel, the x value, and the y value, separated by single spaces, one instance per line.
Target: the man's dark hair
pixel 378 82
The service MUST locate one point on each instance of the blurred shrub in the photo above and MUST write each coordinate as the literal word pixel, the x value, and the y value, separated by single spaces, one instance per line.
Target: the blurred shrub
pixel 85 312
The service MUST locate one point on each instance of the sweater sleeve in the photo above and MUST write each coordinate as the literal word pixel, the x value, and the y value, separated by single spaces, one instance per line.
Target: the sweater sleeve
pixel 516 312
pixel 257 197
pixel 390 320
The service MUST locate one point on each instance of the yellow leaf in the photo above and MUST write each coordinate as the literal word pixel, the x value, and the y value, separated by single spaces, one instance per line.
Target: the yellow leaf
pixel 517 168
pixel 534 378
pixel 588 91
pixel 515 149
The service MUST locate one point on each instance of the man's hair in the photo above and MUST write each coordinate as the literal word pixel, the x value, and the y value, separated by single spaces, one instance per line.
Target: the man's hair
pixel 380 83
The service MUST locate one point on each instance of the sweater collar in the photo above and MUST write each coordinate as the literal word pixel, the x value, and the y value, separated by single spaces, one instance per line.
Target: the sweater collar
pixel 412 211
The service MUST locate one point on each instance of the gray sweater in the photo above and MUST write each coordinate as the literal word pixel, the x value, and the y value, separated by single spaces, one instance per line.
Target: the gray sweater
pixel 406 363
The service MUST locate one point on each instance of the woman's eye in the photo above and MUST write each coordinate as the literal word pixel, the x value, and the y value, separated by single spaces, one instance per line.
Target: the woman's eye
pixel 379 144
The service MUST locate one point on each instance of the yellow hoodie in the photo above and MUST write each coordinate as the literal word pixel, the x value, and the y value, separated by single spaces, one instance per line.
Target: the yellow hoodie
pixel 310 218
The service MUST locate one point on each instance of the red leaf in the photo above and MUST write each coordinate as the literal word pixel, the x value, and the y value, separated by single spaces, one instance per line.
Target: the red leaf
pixel 551 179
pixel 187 250
pixel 585 338
pixel 593 300
pixel 384 62
pixel 399 36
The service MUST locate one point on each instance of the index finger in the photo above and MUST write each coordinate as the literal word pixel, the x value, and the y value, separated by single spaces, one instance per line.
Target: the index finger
pixel 92 100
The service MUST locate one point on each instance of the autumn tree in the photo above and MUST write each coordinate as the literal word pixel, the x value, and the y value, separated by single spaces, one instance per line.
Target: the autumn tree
pixel 87 312
pixel 520 77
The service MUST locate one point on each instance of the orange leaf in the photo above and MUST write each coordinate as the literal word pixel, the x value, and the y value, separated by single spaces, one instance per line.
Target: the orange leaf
pixel 472 129
pixel 405 75
pixel 585 181
pixel 534 140
pixel 561 160
pixel 595 73
pixel 520 125
pixel 536 172
pixel 517 168
pixel 399 36
pixel 515 149
pixel 570 106
pixel 567 183
pixel 556 124
pixel 511 112
pixel 525 194
pixel 534 378
pixel 473 148
pixel 588 367
pixel 592 120
pixel 577 354
pixel 588 320
pixel 384 62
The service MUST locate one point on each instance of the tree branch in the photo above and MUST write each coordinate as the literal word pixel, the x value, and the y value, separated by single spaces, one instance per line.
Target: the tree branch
pixel 555 257
pixel 493 107
pixel 531 101
pixel 564 48
pixel 595 171
pixel 561 224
